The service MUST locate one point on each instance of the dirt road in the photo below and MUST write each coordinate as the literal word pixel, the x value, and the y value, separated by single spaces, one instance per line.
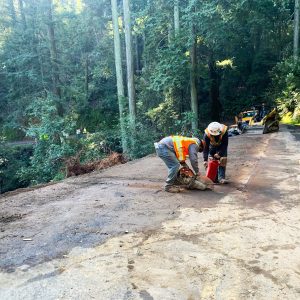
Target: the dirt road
pixel 117 235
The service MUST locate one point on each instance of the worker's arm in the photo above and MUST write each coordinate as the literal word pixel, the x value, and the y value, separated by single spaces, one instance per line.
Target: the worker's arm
pixel 193 155
pixel 223 147
pixel 206 147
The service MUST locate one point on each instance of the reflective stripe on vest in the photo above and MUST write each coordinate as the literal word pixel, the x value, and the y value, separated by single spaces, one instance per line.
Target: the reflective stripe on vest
pixel 181 146
pixel 212 137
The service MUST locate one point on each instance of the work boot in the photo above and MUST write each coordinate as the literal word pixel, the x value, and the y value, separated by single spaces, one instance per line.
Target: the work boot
pixel 173 189
pixel 223 181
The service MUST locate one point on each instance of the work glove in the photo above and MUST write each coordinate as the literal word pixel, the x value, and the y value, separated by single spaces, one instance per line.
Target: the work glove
pixel 183 164
pixel 223 161
pixel 217 156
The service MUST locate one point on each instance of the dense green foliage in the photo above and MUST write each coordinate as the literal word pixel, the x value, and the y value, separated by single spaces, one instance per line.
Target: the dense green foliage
pixel 12 159
pixel 286 83
pixel 57 72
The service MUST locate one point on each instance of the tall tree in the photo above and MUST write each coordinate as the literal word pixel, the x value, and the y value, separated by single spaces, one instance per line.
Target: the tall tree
pixel 53 50
pixel 214 92
pixel 296 30
pixel 194 98
pixel 21 8
pixel 12 11
pixel 176 17
pixel 119 72
pixel 129 61
pixel 193 57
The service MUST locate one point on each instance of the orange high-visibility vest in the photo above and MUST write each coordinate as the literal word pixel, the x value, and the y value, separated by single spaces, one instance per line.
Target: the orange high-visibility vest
pixel 212 137
pixel 181 146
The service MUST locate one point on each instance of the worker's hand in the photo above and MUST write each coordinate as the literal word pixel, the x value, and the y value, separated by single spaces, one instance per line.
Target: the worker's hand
pixel 217 156
pixel 223 161
pixel 205 164
pixel 183 164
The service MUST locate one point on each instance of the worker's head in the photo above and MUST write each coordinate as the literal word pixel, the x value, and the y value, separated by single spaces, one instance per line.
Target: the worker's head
pixel 215 128
pixel 201 145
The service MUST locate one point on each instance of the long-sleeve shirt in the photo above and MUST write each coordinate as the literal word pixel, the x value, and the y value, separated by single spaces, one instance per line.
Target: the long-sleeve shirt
pixel 193 151
pixel 221 149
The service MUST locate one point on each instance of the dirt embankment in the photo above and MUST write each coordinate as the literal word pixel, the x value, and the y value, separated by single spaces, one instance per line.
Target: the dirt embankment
pixel 117 235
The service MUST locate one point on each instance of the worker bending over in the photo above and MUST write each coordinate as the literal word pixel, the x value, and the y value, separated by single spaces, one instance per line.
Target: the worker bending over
pixel 173 150
pixel 215 147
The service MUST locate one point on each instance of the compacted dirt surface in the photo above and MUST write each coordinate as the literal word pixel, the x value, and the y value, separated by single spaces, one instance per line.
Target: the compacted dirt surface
pixel 116 234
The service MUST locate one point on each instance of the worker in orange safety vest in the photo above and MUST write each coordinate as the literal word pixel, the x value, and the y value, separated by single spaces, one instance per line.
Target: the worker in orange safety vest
pixel 174 150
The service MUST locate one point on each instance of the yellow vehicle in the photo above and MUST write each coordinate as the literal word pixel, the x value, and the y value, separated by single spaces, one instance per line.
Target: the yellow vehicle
pixel 271 121
pixel 249 116
pixel 252 117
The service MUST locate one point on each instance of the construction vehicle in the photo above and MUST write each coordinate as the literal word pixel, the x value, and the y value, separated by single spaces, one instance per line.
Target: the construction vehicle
pixel 271 121
pixel 248 116
pixel 245 119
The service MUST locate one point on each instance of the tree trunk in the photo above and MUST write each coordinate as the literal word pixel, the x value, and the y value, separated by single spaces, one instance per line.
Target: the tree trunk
pixel 176 17
pixel 216 106
pixel 53 52
pixel 129 60
pixel 12 12
pixel 296 31
pixel 170 33
pixel 38 45
pixel 194 98
pixel 144 60
pixel 137 55
pixel 86 81
pixel 74 5
pixel 119 73
pixel 21 7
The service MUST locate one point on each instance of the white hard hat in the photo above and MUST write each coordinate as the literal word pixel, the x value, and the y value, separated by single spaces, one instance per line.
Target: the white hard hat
pixel 215 128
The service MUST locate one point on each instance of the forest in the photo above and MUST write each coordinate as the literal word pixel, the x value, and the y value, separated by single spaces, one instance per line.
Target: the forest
pixel 80 79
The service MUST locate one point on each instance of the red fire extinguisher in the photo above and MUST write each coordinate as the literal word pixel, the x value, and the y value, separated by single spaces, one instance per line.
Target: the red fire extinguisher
pixel 212 169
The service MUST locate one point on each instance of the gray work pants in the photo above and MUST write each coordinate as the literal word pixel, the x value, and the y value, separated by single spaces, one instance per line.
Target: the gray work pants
pixel 170 160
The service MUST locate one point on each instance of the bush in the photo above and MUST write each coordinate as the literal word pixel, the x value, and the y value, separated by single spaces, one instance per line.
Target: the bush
pixel 12 159
pixel 289 104
pixel 286 79
pixel 57 142
pixel 13 134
